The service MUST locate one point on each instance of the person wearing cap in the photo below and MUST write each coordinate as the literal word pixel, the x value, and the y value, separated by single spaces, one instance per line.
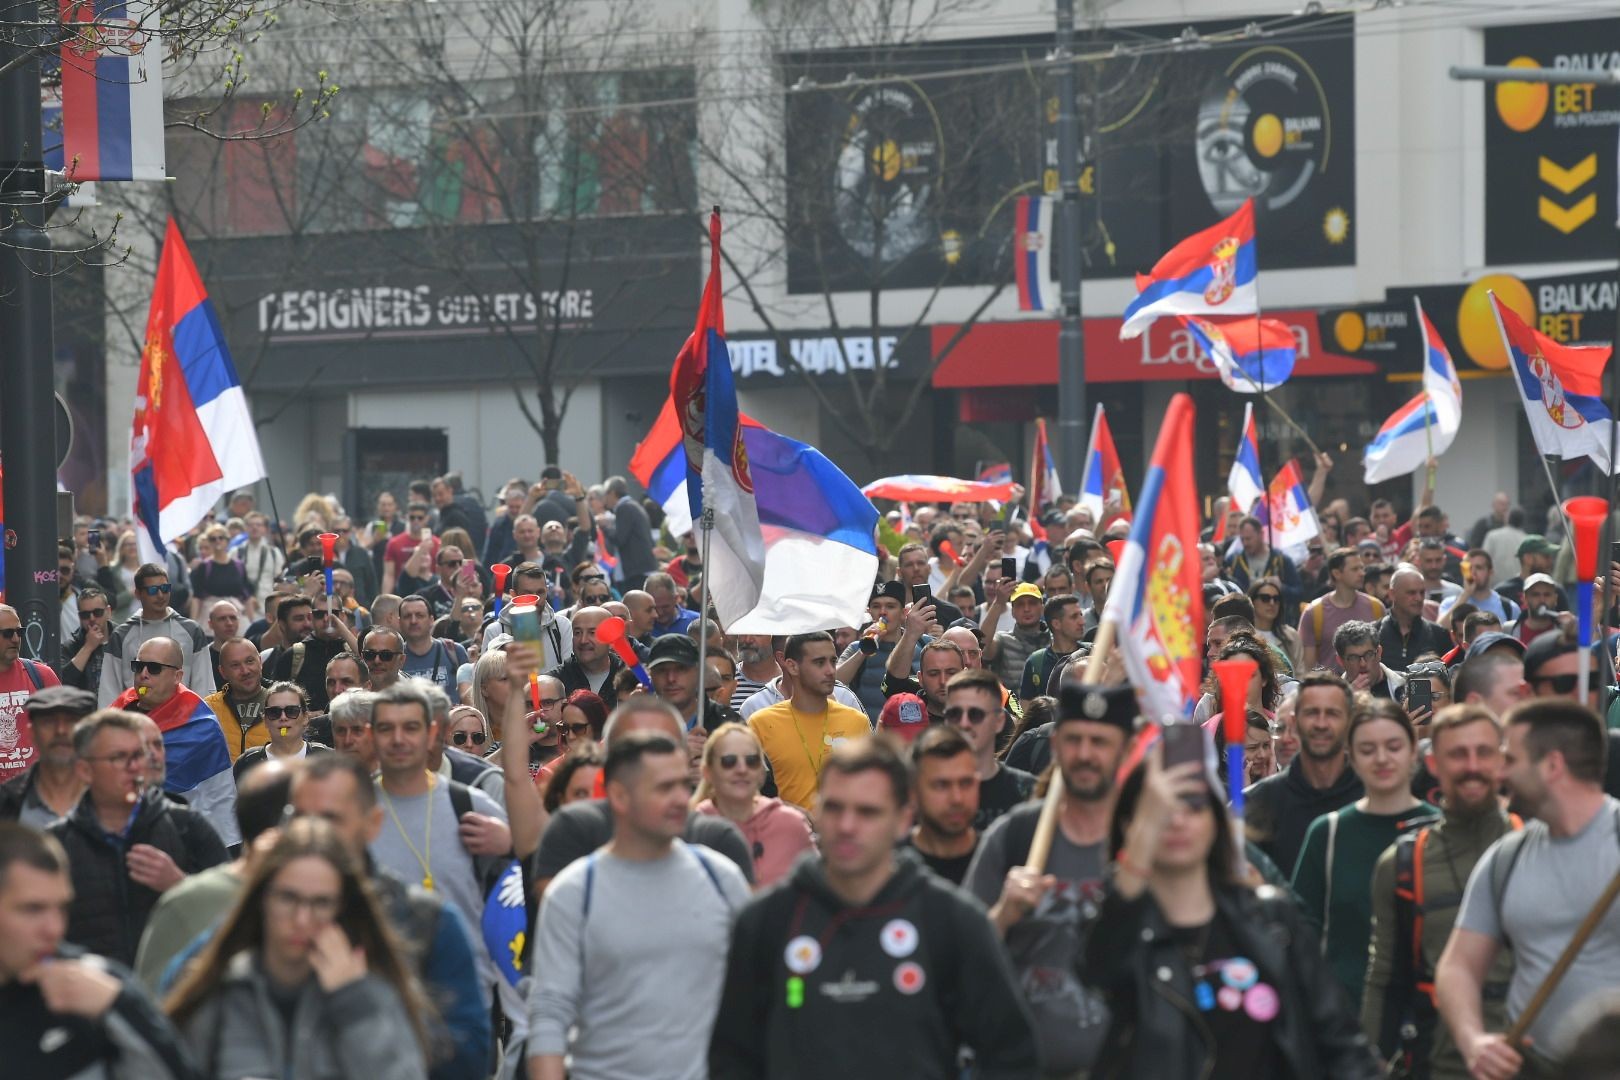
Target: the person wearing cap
pixel 1541 611
pixel 1007 651
pixel 798 733
pixel 1044 917
pixel 1536 555
pixel 861 665
pixel 673 667
pixel 973 705
pixel 52 786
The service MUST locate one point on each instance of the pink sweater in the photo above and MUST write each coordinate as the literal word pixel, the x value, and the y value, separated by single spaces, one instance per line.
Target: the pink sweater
pixel 776 833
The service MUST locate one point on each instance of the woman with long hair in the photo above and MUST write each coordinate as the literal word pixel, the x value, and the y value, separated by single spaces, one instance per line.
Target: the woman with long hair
pixel 574 776
pixel 215 575
pixel 733 773
pixel 304 979
pixel 1205 976
pixel 1265 693
pixel 489 685
pixel 1267 597
pixel 129 561
pixel 1333 876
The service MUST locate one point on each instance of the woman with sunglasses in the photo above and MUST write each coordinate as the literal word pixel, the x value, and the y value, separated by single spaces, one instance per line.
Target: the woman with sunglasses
pixel 733 773
pixel 285 715
pixel 1267 597
pixel 1333 877
pixel 469 731
pixel 1205 976
pixel 304 979
pixel 215 575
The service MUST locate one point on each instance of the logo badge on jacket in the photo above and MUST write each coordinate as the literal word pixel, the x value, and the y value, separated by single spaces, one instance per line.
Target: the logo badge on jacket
pixel 803 954
pixel 899 938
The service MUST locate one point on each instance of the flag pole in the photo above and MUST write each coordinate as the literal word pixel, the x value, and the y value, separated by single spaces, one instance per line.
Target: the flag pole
pixel 706 523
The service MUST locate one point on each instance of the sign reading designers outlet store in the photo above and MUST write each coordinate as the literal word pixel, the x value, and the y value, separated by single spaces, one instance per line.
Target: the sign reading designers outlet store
pixel 1550 149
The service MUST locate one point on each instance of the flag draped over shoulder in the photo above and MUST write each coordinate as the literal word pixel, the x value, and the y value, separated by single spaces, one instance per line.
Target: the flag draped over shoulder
pixel 1157 600
pixel 193 437
pixel 1213 272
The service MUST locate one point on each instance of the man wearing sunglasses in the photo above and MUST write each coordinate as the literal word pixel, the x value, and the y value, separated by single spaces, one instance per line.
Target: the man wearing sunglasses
pixel 18 679
pixel 199 759
pixel 155 619
pixel 1552 668
pixel 973 706
pixel 316 631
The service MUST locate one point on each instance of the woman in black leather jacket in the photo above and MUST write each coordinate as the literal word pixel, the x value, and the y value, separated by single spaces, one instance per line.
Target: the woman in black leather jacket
pixel 1207 978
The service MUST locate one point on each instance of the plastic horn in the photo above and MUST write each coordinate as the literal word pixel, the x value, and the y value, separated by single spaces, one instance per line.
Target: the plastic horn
pixel 1116 550
pixel 1586 514
pixel 500 570
pixel 948 549
pixel 526 598
pixel 1235 675
pixel 610 632
pixel 534 690
pixel 328 554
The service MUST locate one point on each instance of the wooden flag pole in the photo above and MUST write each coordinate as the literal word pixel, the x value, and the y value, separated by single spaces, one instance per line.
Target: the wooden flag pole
pixel 1040 845
pixel 1538 1000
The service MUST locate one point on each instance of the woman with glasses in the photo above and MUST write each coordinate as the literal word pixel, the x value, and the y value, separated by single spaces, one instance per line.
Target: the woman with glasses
pixel 1267 597
pixel 574 777
pixel 469 731
pixel 215 575
pixel 304 979
pixel 1333 877
pixel 1204 975
pixel 733 773
pixel 285 716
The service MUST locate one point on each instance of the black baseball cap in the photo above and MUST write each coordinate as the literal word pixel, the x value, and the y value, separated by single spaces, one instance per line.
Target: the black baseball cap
pixel 673 649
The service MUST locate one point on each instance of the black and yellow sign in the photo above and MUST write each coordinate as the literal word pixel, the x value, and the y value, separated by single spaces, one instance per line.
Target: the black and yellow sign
pixel 1549 148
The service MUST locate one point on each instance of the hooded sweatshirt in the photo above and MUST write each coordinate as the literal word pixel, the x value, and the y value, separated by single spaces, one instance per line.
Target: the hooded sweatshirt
pixel 777 834
pixel 126 639
pixel 1281 807
pixel 810 978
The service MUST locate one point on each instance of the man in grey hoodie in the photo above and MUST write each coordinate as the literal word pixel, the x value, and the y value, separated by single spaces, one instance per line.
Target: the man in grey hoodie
pixel 155 618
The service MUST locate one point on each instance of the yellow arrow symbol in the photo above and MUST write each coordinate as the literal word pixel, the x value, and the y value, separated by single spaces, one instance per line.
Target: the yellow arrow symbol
pixel 1567 180
pixel 1567 221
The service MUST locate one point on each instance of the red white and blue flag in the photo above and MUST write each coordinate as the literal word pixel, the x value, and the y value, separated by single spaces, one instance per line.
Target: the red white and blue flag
pixel 917 487
pixel 1425 426
pixel 1251 355
pixel 1244 483
pixel 193 437
pixel 1213 272
pixel 1103 478
pixel 1157 599
pixel 1289 511
pixel 1440 382
pixel 1044 485
pixel 718 477
pixel 198 763
pixel 1032 253
pixel 1562 390
pixel 112 90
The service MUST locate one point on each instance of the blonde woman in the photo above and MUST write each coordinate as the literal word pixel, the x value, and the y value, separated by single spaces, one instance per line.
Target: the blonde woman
pixel 733 774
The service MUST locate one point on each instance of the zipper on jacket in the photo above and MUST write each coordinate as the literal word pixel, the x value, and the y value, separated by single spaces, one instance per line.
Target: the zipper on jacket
pixel 1162 987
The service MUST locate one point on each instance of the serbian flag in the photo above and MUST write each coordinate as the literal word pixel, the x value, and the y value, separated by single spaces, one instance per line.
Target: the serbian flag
pixel 1440 382
pixel 1032 253
pixel 1157 599
pixel 1044 485
pixel 112 90
pixel 1289 511
pixel 1250 355
pixel 1402 444
pixel 193 437
pixel 1214 272
pixel 198 762
pixel 1562 390
pixel 1103 477
pixel 605 558
pixel 1244 482
pixel 915 487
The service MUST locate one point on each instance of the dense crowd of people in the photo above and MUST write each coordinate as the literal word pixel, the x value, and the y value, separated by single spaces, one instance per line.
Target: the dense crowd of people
pixel 255 824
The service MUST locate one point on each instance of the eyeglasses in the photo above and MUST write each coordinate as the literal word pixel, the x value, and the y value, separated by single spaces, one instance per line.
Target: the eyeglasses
pixel 151 667
pixel 11 633
pixel 550 702
pixel 1267 598
pixel 373 655
pixel 576 730
pixel 974 714
pixel 1358 658
pixel 1561 684
pixel 92 613
pixel 288 903
pixel 276 712
pixel 1431 543
pixel 121 761
pixel 158 590
pixel 462 738
pixel 451 564
pixel 729 761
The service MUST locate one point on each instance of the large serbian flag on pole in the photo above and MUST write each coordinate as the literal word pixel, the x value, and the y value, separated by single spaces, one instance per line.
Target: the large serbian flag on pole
pixel 112 91
pixel 1562 390
pixel 1157 599
pixel 1214 272
pixel 193 438
pixel 718 478
pixel 1244 483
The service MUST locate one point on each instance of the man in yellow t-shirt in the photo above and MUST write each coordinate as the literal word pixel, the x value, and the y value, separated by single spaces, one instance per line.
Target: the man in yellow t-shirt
pixel 798 733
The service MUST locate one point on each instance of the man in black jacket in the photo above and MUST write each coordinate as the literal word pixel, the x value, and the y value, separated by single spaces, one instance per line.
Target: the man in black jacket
pixel 632 534
pixel 76 1015
pixel 81 654
pixel 126 843
pixel 862 940
pixel 593 665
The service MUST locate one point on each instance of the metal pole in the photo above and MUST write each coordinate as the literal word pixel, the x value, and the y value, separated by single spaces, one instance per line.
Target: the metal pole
pixel 706 523
pixel 1071 335
pixel 27 411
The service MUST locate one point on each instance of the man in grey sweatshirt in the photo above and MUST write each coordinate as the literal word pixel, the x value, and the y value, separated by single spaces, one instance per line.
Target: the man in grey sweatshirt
pixel 630 951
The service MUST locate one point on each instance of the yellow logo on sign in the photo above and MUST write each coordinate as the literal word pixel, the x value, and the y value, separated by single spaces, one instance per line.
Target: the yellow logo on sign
pixel 1566 219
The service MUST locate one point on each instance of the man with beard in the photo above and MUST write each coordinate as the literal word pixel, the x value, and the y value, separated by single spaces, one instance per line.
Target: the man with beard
pixel 51 787
pixel 1417 885
pixel 1532 889
pixel 1044 916
pixel 314 636
pixel 756 666
pixel 1319 779
pixel 945 791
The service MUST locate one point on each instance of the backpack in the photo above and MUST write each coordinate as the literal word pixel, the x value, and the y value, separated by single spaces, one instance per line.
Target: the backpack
pixel 1509 848
pixel 1319 617
pixel 32 670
